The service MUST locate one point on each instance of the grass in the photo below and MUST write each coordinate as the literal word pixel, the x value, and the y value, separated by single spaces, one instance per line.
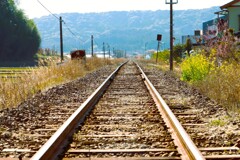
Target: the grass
pixel 16 90
pixel 217 122
pixel 9 69
pixel 223 85
pixel 14 72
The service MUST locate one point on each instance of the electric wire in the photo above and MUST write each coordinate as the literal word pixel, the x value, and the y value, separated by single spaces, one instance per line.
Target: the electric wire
pixel 67 27
pixel 48 10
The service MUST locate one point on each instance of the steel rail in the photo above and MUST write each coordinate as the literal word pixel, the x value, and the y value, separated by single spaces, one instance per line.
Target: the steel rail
pixel 186 147
pixel 54 146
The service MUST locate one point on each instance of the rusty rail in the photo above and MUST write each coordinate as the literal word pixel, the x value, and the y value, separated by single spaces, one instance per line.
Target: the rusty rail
pixel 50 149
pixel 185 145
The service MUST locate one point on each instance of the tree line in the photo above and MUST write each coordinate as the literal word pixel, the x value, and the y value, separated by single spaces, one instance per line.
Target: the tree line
pixel 19 36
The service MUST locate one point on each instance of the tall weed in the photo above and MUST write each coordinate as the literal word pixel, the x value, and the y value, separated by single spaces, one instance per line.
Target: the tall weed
pixel 223 85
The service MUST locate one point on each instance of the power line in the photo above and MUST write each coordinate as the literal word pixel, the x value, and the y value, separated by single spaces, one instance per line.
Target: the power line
pixel 70 30
pixel 48 10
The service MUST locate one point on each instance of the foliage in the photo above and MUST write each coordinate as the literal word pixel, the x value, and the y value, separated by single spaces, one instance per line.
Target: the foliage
pixel 217 122
pixel 188 46
pixel 178 51
pixel 223 84
pixel 195 68
pixel 165 54
pixel 162 55
pixel 19 36
pixel 224 47
pixel 47 52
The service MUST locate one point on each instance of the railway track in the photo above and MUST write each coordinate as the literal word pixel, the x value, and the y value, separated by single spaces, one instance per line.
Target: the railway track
pixel 126 118
pixel 194 110
pixel 24 129
pixel 124 123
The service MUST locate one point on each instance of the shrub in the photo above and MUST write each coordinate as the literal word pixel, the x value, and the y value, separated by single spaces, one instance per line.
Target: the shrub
pixel 162 56
pixel 195 68
pixel 178 50
pixel 223 85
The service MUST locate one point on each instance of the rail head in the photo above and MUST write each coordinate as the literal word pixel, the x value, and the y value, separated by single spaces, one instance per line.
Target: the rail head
pixel 188 148
pixel 54 145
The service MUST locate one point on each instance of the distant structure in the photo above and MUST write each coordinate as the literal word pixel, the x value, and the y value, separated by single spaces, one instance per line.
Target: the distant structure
pixel 232 11
pixel 78 54
pixel 196 39
pixel 227 17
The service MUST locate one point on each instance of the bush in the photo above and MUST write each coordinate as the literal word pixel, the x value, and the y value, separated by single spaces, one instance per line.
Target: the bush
pixel 162 56
pixel 223 85
pixel 178 50
pixel 195 68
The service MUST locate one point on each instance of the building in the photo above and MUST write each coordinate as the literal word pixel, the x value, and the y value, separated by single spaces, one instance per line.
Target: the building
pixel 233 15
pixel 227 17
pixel 211 28
pixel 196 39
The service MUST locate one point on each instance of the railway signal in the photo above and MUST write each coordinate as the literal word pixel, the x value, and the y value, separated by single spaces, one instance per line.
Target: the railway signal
pixel 159 38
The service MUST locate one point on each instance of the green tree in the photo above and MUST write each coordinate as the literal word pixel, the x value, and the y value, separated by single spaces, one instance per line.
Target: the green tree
pixel 188 46
pixel 20 38
pixel 177 51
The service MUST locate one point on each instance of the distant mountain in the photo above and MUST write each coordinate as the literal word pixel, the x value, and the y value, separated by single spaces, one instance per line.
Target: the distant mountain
pixel 133 31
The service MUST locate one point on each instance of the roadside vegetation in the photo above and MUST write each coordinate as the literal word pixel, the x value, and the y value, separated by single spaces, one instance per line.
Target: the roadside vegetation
pixel 16 90
pixel 214 68
pixel 20 38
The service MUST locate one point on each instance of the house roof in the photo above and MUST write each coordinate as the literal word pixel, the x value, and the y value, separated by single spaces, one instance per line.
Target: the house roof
pixel 230 4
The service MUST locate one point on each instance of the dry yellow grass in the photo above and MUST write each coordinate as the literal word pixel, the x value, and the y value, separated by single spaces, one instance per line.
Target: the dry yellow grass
pixel 14 91
pixel 223 85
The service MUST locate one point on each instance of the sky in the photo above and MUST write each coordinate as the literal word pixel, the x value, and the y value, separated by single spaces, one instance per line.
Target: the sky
pixel 33 9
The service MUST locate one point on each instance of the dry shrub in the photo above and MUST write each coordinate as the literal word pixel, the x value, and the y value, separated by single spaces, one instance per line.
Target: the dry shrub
pixel 14 91
pixel 223 85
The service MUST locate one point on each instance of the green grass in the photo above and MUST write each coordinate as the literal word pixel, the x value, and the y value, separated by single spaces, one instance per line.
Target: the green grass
pixel 217 122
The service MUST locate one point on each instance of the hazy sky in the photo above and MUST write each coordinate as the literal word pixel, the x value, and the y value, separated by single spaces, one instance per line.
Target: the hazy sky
pixel 33 9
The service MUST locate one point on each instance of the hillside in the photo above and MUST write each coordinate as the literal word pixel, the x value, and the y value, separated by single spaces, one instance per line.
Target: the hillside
pixel 130 31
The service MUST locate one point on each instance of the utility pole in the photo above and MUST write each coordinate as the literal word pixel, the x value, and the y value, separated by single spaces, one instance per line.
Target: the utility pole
pixel 171 35
pixel 113 52
pixel 109 51
pixel 92 44
pixel 61 39
pixel 104 49
pixel 171 32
